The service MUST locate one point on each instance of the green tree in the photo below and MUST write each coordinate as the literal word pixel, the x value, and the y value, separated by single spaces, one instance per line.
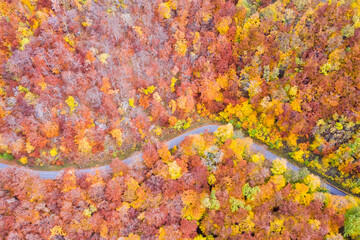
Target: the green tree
pixel 352 223
pixel 250 192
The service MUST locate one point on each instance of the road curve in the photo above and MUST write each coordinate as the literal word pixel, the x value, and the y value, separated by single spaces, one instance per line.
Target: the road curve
pixel 137 158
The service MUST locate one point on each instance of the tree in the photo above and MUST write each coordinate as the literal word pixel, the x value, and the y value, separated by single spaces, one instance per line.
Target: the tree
pixel 150 155
pixel 352 222
pixel 224 132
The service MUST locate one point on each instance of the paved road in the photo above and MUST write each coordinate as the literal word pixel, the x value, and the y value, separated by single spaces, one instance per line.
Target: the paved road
pixel 137 158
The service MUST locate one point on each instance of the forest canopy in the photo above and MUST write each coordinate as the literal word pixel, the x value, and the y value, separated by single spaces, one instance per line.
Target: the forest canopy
pixel 211 187
pixel 89 82
pixel 86 81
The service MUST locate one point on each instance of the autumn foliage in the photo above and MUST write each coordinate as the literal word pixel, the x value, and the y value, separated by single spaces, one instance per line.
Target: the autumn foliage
pixel 86 81
pixel 211 187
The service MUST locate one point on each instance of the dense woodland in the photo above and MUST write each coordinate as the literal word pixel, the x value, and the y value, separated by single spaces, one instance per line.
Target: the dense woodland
pixel 84 81
pixel 210 187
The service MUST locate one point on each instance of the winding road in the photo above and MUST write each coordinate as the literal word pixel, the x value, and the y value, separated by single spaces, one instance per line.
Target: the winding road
pixel 137 158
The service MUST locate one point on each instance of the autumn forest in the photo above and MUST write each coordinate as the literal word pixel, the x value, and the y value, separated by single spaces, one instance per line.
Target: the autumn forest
pixel 89 83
